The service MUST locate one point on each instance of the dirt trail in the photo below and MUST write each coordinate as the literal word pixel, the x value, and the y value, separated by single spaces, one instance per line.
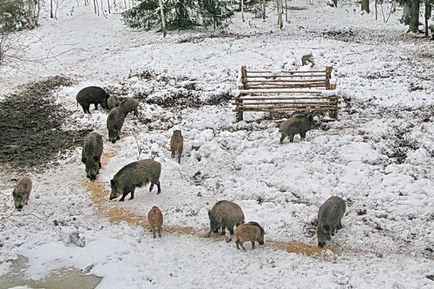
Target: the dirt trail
pixel 105 209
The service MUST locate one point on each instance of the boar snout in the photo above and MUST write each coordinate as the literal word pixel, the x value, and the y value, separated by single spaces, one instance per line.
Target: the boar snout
pixel 91 177
pixel 321 244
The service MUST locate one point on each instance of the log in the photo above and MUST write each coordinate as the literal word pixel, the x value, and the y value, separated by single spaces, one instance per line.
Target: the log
pixel 278 91
pixel 286 98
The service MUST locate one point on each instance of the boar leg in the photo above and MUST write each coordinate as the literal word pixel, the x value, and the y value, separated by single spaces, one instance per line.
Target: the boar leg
pixel 132 194
pixel 242 246
pixel 253 244
pixel 303 135
pixel 231 231
pixel 153 233
pixel 159 233
pixel 123 197
pixel 158 187
pixel 291 138
pixel 223 229
pixel 96 106
pixel 339 226
pixel 173 153
pixel 237 242
pixel 282 138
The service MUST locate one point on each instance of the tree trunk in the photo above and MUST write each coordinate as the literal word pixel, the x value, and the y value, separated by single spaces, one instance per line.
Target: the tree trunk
pixel 280 14
pixel 376 9
pixel 163 18
pixel 414 16
pixel 108 4
pixel 286 11
pixel 335 2
pixel 242 10
pixel 427 16
pixel 263 9
pixel 51 9
pixel 365 6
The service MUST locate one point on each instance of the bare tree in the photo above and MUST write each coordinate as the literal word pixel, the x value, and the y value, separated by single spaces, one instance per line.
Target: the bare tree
pixel 263 9
pixel 280 14
pixel 163 18
pixel 242 10
pixel 365 6
pixel 427 15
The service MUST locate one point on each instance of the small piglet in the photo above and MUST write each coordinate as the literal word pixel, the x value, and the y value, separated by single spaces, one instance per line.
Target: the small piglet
pixel 251 231
pixel 155 219
pixel 177 144
pixel 21 193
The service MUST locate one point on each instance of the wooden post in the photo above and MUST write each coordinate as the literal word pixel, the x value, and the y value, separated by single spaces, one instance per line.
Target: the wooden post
pixel 329 70
pixel 239 101
pixel 244 76
pixel 334 113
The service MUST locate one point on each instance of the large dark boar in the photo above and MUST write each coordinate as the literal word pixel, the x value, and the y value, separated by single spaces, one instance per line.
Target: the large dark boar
pixel 91 154
pixel 92 94
pixel 251 231
pixel 177 144
pixel 129 105
pixel 115 121
pixel 155 219
pixel 21 193
pixel 329 219
pixel 296 125
pixel 225 214
pixel 135 174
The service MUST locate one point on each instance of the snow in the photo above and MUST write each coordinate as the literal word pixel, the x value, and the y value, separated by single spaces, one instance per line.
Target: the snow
pixel 280 186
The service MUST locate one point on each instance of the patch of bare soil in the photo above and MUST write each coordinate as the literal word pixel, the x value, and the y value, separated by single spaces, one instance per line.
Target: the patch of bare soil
pixel 31 125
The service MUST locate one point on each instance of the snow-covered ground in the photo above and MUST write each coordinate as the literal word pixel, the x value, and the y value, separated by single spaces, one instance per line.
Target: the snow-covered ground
pixel 379 156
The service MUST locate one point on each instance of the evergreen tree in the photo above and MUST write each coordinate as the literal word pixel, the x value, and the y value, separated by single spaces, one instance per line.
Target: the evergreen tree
pixel 179 14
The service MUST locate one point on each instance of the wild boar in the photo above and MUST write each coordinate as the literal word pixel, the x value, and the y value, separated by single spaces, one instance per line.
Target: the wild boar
pixel 21 192
pixel 251 231
pixel 225 214
pixel 177 144
pixel 113 101
pixel 296 125
pixel 91 154
pixel 115 121
pixel 155 219
pixel 130 104
pixel 329 219
pixel 92 95
pixel 135 174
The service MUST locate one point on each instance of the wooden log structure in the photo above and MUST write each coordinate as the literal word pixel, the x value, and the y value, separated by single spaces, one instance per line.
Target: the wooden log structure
pixel 286 91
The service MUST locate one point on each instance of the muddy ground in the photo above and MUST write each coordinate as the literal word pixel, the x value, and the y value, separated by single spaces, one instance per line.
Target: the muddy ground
pixel 31 125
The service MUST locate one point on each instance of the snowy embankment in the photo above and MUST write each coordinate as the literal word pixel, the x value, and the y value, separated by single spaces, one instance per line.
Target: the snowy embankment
pixel 379 156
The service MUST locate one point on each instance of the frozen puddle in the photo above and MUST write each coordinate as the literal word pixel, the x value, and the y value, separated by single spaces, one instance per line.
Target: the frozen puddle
pixel 70 278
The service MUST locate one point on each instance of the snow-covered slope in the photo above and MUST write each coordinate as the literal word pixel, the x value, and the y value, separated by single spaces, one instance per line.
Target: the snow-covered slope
pixel 378 156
